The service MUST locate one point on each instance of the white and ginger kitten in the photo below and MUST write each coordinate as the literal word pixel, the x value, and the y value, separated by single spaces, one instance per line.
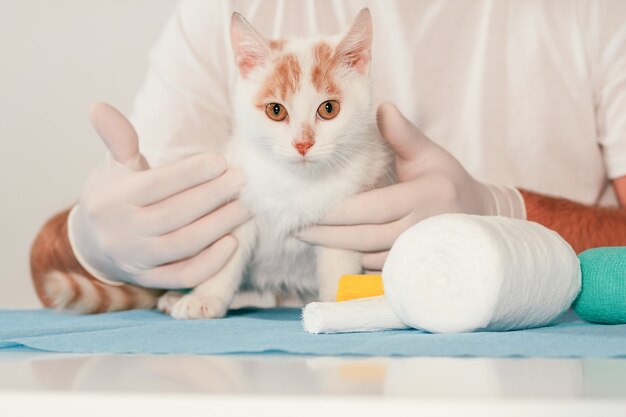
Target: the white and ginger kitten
pixel 305 138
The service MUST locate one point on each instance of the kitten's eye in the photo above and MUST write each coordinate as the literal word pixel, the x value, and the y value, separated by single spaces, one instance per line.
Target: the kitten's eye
pixel 276 112
pixel 328 109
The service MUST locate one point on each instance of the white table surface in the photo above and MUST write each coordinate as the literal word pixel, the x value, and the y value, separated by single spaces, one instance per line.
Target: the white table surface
pixel 44 384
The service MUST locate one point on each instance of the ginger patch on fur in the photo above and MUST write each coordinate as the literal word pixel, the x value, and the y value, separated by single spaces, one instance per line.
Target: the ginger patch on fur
pixel 323 66
pixel 282 82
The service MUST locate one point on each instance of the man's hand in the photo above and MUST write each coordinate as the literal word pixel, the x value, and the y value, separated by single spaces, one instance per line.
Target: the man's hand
pixel 164 228
pixel 431 182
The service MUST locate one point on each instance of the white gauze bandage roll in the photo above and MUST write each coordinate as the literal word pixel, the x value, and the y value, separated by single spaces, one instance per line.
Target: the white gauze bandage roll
pixel 462 273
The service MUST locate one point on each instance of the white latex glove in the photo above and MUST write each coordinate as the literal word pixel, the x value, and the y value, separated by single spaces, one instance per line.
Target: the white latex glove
pixel 164 228
pixel 431 182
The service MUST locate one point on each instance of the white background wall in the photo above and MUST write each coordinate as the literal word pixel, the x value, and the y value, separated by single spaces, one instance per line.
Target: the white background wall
pixel 57 57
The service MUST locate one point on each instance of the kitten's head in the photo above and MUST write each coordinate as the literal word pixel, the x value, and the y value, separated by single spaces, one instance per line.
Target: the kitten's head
pixel 305 103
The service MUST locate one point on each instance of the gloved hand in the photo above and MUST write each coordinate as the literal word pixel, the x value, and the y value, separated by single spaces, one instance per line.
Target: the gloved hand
pixel 164 228
pixel 431 182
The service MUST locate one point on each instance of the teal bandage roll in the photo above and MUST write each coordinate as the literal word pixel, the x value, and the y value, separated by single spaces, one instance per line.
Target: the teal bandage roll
pixel 602 298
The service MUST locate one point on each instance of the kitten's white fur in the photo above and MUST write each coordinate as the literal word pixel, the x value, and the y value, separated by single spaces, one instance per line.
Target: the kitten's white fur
pixel 284 193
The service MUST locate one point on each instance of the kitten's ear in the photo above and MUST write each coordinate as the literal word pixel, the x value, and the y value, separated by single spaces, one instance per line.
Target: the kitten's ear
pixel 250 48
pixel 354 50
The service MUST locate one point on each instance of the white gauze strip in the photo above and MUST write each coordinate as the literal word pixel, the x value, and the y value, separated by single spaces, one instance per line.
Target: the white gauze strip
pixel 362 315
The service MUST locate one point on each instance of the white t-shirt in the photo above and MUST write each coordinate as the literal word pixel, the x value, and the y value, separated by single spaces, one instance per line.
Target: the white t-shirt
pixel 524 93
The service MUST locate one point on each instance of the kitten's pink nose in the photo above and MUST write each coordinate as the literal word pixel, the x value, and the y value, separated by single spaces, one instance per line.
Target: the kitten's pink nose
pixel 303 147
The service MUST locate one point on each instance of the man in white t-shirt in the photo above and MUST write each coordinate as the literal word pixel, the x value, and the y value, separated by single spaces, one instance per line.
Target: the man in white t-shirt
pixel 530 96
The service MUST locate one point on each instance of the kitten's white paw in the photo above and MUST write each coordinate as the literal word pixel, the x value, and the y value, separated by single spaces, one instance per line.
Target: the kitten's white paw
pixel 193 306
pixel 166 301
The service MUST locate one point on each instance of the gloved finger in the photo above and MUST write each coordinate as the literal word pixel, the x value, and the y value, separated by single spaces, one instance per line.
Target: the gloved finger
pixel 382 205
pixel 374 260
pixel 138 163
pixel 116 131
pixel 195 237
pixel 157 184
pixel 373 272
pixel 193 271
pixel 429 195
pixel 361 238
pixel 181 209
pixel 406 140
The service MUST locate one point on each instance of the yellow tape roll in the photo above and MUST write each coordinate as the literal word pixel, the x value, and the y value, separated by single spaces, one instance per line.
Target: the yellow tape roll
pixel 359 286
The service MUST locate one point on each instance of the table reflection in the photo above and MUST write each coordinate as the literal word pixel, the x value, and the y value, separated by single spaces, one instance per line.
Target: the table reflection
pixel 302 375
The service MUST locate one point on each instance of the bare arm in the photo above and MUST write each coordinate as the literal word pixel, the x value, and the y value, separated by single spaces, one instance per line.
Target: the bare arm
pixel 619 185
pixel 582 226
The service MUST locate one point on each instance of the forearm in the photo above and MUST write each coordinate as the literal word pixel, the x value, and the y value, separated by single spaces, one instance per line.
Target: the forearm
pixel 581 226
